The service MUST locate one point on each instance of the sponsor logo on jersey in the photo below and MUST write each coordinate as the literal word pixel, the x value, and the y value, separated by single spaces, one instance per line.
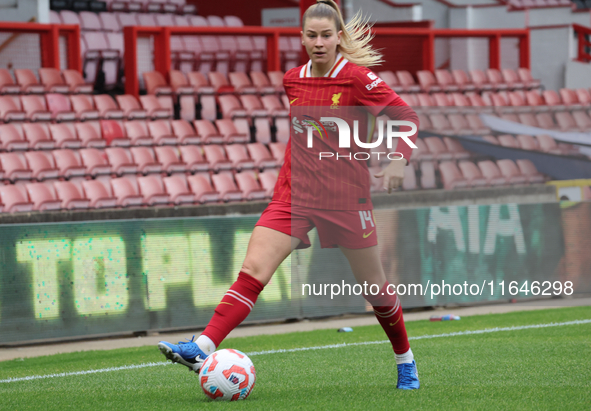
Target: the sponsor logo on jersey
pixel 372 76
pixel 335 100
pixel 376 81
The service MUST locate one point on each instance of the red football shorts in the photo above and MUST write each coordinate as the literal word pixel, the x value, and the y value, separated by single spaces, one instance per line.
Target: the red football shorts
pixel 349 229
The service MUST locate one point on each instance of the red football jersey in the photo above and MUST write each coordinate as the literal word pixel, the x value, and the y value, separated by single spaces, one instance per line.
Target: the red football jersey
pixel 347 91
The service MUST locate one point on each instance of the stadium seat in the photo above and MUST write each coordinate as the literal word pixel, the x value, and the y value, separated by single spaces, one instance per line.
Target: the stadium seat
pixel 273 106
pixel 69 163
pixel 216 157
pixel 35 108
pixel 10 109
pixel 28 82
pixel 528 119
pixel 282 127
pixel 43 197
pixel 52 80
pixel 64 136
pixel 584 96
pixel 89 134
pixel 107 107
pixel 495 77
pixel 131 107
pixel 553 100
pixel 276 79
pixel 428 82
pixel 109 21
pixel 184 132
pixel 14 199
pixel 268 179
pixel 157 108
pixel 455 147
pixel 511 78
pixel 463 81
pixel 546 121
pixel 526 77
pixel 200 185
pixel 534 99
pixel 528 169
pixel 518 102
pixel 83 107
pixel 38 136
pixel 491 173
pixel 581 119
pixel 162 133
pixel 253 106
pixel 446 81
pixel 228 131
pixel 220 82
pixel 100 57
pixel 15 167
pixel 60 107
pixel 241 83
pixel 570 99
pixel 126 192
pixel 152 189
pixel 472 174
pixel 481 81
pixel 507 140
pixel 249 185
pixel 98 194
pixel 511 172
pixel 428 180
pixel 137 131
pixel 527 142
pixel 145 158
pixel 407 81
pixel 170 158
pixel 409 181
pixel 437 148
pixel 262 83
pixel 262 128
pixel 491 139
pixel 224 184
pixel 42 165
pixel 12 137
pixel 113 133
pixel 392 81
pixel 451 176
pixel 121 161
pixel 195 79
pixel 177 188
pixel 193 158
pixel 7 84
pixel 208 132
pixel 278 151
pixel 440 124
pixel 71 197
pixel 95 162
pixel 238 155
pixel 230 107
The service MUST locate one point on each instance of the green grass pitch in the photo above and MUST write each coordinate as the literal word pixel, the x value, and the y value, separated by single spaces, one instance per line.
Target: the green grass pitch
pixel 519 369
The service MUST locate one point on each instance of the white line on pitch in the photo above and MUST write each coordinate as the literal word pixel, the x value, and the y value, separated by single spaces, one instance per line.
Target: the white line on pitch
pixel 320 347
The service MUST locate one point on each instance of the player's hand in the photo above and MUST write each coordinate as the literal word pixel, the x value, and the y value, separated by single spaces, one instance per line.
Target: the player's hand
pixel 393 174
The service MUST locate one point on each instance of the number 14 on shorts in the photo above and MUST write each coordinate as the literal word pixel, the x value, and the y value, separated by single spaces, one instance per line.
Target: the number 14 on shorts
pixel 366 217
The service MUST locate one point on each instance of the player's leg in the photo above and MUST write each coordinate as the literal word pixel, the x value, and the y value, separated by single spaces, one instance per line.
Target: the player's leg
pixel 367 268
pixel 267 249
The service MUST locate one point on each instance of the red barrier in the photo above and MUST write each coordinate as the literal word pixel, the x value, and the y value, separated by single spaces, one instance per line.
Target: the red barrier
pixel 584 43
pixel 49 35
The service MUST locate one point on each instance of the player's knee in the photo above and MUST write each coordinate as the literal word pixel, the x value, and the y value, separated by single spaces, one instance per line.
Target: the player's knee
pixel 256 270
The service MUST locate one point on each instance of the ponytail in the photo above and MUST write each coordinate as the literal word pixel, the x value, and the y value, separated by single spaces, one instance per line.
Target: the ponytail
pixel 356 35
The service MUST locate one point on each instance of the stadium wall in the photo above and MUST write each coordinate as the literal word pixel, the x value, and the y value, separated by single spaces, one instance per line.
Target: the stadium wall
pixel 25 11
pixel 69 275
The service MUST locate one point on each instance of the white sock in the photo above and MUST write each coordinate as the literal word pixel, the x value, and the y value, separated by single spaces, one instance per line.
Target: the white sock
pixel 206 345
pixel 407 357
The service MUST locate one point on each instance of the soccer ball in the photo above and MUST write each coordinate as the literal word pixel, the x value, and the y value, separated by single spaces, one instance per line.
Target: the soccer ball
pixel 227 375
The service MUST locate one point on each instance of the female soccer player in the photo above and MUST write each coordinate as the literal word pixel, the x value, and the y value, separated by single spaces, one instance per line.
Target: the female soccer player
pixel 332 195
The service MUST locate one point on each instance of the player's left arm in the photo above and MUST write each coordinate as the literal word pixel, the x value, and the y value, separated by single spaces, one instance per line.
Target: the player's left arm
pixel 379 99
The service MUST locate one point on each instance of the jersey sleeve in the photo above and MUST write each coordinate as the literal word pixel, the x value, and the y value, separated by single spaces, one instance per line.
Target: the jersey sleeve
pixel 371 91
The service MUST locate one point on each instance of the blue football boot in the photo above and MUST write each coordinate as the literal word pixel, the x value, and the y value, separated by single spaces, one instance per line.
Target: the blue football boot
pixel 187 353
pixel 408 377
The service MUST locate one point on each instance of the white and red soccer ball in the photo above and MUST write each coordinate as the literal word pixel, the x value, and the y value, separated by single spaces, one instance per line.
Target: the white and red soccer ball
pixel 227 375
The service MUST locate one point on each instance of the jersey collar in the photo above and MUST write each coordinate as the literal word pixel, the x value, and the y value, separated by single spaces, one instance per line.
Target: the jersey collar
pixel 339 63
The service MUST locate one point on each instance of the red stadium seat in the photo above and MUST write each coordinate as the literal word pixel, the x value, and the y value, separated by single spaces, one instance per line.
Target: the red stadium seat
pixel 15 167
pixel 262 83
pixel 437 148
pixel 495 77
pixel 535 100
pixel 228 130
pixel 157 107
pixel 208 132
pixel 526 77
pixel 507 140
pixel 570 99
pixel 178 189
pixel 121 161
pixel 261 156
pixel 131 107
pixel 441 124
pixel 225 185
pixel 43 197
pixel 107 107
pixel 28 82
pixel 185 133
pixel 170 158
pixel 98 194
pixel 455 147
pixel 584 96
pixel 64 135
pixel 42 165
pixel 145 158
pixel 546 121
pixel 220 82
pixel 238 155
pixel 60 107
pixel 491 139
pixel 282 126
pixel 14 199
pixel 193 157
pixel 216 157
pixel 12 137
pixel 528 169
pixel 71 197
pixel 481 81
pixel 201 186
pixel 35 108
pixel 89 134
pixel 230 107
pixel 428 82
pixel 462 79
pixel 553 100
pixel 76 82
pixel 137 131
pixel 451 176
pixel 278 151
pixel 52 79
pixel 152 189
pixel 491 173
pixel 527 142
pixel 241 83
pixel 113 133
pixel 84 108
pixel 7 84
pixel 10 109
pixel 276 79
pixel 69 163
pixel 253 106
pixel 511 172
pixel 581 119
pixel 162 133
pixel 511 78
pixel 268 179
pixel 273 106
pixel 250 187
pixel 126 192
pixel 407 81
pixel 95 162
pixel 472 174
pixel 446 81
pixel 428 180
pixel 262 128
pixel 548 144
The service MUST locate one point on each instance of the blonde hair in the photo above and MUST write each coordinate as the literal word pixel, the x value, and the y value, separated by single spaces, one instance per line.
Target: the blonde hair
pixel 356 35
